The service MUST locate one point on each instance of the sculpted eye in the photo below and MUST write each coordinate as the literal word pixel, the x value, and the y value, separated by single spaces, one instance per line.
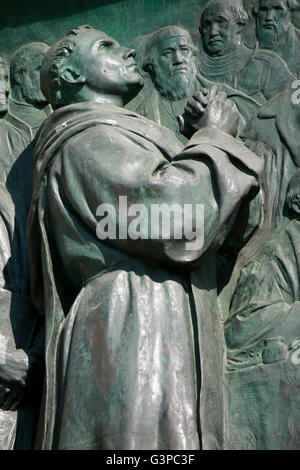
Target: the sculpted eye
pixel 104 44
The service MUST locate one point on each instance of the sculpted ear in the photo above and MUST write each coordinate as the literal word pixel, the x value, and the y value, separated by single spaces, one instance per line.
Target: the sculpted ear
pixel 71 77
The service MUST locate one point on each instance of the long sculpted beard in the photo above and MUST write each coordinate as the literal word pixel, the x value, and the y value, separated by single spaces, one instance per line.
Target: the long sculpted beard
pixel 175 87
pixel 269 39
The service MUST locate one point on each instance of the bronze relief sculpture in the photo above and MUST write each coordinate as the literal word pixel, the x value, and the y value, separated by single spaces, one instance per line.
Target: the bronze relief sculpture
pixel 130 371
pixel 4 86
pixel 275 31
pixel 155 289
pixel 26 112
pixel 259 73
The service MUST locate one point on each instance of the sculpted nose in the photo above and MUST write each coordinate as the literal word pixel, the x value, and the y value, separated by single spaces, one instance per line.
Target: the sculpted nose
pixel 214 30
pixel 129 53
pixel 177 58
pixel 269 15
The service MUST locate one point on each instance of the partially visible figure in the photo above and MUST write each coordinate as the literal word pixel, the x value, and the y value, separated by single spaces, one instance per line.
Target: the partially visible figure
pixel 275 31
pixel 20 337
pixel 263 340
pixel 171 64
pixel 4 86
pixel 260 74
pixel 266 303
pixel 276 125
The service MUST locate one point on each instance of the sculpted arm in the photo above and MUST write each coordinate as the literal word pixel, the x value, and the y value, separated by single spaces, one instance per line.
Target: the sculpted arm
pixel 214 171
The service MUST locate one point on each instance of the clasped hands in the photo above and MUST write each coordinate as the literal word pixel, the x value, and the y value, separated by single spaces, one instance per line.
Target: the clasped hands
pixel 210 109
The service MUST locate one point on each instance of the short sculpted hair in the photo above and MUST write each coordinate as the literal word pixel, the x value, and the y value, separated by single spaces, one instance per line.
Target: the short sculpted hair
pixel 235 7
pixel 53 60
pixel 162 33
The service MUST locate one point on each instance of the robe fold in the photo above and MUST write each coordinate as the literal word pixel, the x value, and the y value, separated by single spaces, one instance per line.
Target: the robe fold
pixel 266 302
pixel 128 330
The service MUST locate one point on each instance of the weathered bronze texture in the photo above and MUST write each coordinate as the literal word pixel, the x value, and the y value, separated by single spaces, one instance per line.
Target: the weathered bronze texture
pixel 119 331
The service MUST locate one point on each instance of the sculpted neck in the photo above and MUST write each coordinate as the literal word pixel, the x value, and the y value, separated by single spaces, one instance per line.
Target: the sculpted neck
pixel 87 95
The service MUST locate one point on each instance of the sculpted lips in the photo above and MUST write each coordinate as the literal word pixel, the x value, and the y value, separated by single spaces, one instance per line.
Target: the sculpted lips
pixel 214 41
pixel 180 69
pixel 269 26
pixel 134 67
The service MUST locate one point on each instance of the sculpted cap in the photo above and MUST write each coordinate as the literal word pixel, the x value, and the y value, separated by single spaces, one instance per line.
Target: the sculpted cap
pixel 163 33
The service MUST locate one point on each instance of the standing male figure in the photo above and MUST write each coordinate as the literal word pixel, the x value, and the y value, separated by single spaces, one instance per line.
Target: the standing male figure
pixel 276 32
pixel 126 329
pixel 260 74
pixel 27 108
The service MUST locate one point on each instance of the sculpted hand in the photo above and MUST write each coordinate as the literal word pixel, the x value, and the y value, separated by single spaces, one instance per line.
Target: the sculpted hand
pixel 189 122
pixel 221 113
pixel 13 373
pixel 209 109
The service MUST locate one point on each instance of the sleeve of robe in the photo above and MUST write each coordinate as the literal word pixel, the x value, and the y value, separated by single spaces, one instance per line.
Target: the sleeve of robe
pixel 100 164
pixel 266 302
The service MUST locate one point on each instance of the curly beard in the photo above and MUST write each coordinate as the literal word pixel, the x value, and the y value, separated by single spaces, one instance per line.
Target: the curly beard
pixel 177 85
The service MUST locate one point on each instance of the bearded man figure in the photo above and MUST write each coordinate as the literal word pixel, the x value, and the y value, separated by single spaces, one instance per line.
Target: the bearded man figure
pixel 170 62
pixel 130 332
pixel 275 31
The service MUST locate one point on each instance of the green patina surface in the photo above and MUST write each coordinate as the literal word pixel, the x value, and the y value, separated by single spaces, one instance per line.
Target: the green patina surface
pixel 33 20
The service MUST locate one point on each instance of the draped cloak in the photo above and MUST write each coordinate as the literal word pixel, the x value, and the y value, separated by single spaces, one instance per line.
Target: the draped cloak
pixel 133 330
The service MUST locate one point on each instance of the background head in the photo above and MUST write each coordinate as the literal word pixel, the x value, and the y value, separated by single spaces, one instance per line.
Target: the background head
pixel 25 66
pixel 170 61
pixel 293 195
pixel 221 24
pixel 86 65
pixel 273 18
pixel 4 85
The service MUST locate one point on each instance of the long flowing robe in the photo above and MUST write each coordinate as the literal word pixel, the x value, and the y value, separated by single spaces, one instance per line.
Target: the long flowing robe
pixel 273 133
pixel 263 337
pixel 130 336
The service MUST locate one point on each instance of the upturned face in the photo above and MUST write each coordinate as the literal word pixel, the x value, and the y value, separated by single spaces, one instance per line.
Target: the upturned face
pixel 107 67
pixel 273 19
pixel 219 32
